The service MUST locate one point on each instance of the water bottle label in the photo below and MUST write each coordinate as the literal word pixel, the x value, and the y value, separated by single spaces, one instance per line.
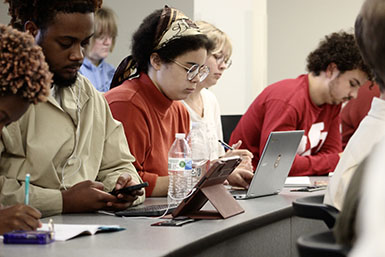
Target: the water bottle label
pixel 197 172
pixel 179 164
pixel 188 164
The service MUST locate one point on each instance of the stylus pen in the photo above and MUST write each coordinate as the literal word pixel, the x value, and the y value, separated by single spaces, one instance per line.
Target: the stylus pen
pixel 26 199
pixel 225 145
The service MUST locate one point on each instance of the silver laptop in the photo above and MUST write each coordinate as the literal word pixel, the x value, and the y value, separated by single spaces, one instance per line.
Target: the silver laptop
pixel 273 166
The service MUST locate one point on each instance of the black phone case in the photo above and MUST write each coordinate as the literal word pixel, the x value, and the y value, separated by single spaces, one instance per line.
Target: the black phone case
pixel 128 190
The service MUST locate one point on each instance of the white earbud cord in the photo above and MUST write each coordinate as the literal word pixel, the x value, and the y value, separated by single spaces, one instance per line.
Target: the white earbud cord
pixel 168 207
pixel 73 158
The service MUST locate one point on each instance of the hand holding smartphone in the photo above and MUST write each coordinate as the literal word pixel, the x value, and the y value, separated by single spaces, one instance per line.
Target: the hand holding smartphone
pixel 128 190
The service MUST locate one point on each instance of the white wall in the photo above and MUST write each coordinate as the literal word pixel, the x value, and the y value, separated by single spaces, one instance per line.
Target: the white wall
pixel 245 24
pixel 130 14
pixel 271 38
pixel 4 18
pixel 295 28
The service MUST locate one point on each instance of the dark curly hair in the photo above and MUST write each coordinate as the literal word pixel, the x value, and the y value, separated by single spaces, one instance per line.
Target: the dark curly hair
pixel 144 38
pixel 42 12
pixel 369 31
pixel 339 48
pixel 24 71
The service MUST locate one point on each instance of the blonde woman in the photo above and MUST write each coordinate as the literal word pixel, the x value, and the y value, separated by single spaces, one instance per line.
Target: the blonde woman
pixel 203 106
pixel 94 66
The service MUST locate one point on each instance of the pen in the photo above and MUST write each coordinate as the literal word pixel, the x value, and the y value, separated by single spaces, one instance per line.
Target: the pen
pixel 225 145
pixel 26 199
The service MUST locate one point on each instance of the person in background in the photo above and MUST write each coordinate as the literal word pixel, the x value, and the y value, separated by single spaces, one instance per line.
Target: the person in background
pixel 311 102
pixel 369 132
pixel 73 148
pixel 356 109
pixel 203 106
pixel 94 66
pixel 24 79
pixel 366 208
pixel 165 66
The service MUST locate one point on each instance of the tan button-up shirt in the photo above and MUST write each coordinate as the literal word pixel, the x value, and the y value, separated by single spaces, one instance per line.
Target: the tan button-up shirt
pixel 45 137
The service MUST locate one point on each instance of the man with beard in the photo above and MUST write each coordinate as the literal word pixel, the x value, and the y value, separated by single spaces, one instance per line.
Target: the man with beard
pixel 311 102
pixel 72 147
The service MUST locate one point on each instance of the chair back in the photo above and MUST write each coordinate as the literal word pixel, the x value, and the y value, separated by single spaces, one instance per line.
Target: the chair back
pixel 312 207
pixel 320 245
pixel 229 122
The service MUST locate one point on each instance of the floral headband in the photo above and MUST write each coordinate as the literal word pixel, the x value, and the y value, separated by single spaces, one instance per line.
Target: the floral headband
pixel 173 24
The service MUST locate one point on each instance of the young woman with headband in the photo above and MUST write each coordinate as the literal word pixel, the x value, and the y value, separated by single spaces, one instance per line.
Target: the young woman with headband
pixel 167 62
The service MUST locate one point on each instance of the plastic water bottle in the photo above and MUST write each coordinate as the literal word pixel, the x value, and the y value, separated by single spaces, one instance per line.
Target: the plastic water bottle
pixel 179 168
pixel 200 154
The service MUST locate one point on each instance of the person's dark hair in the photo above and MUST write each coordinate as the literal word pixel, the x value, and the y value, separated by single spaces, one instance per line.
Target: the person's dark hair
pixel 144 39
pixel 42 12
pixel 369 31
pixel 338 48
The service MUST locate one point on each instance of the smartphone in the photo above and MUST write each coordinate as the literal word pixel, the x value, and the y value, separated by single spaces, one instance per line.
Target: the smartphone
pixel 309 189
pixel 176 222
pixel 129 189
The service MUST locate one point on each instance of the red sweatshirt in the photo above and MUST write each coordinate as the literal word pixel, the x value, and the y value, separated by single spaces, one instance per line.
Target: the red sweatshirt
pixel 356 109
pixel 150 122
pixel 286 105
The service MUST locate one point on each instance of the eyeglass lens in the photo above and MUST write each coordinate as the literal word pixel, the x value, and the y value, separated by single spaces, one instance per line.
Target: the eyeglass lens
pixel 222 59
pixel 203 71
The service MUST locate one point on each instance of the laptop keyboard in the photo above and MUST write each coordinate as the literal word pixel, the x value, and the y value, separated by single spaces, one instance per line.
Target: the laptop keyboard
pixel 149 210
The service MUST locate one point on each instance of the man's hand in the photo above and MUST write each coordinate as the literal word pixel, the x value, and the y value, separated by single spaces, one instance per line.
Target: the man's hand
pixel 88 196
pixel 240 152
pixel 19 217
pixel 241 176
pixel 244 173
pixel 124 181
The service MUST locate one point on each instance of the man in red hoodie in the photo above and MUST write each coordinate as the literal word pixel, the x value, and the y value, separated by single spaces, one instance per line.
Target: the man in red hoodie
pixel 311 102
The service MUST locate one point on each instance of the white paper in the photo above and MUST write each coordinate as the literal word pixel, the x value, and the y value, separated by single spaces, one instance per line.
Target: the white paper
pixel 64 232
pixel 297 181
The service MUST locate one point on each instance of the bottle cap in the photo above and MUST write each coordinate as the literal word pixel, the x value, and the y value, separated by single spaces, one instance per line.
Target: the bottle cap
pixel 180 135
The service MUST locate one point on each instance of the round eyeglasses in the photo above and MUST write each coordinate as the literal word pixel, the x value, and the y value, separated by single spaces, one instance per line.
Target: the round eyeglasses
pixel 221 59
pixel 195 70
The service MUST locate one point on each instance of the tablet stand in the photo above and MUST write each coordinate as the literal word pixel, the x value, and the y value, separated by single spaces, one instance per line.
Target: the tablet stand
pixel 224 203
pixel 210 188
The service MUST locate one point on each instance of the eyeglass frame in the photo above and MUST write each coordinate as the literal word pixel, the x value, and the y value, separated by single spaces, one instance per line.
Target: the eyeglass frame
pixel 190 70
pixel 220 58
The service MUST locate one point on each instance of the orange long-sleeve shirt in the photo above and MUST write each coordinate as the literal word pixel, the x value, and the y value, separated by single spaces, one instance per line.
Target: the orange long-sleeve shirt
pixel 150 122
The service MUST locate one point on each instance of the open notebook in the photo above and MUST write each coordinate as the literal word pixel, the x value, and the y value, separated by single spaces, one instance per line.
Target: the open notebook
pixel 64 232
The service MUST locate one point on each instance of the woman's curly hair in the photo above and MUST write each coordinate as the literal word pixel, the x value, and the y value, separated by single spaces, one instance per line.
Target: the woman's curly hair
pixel 42 12
pixel 24 71
pixel 339 48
